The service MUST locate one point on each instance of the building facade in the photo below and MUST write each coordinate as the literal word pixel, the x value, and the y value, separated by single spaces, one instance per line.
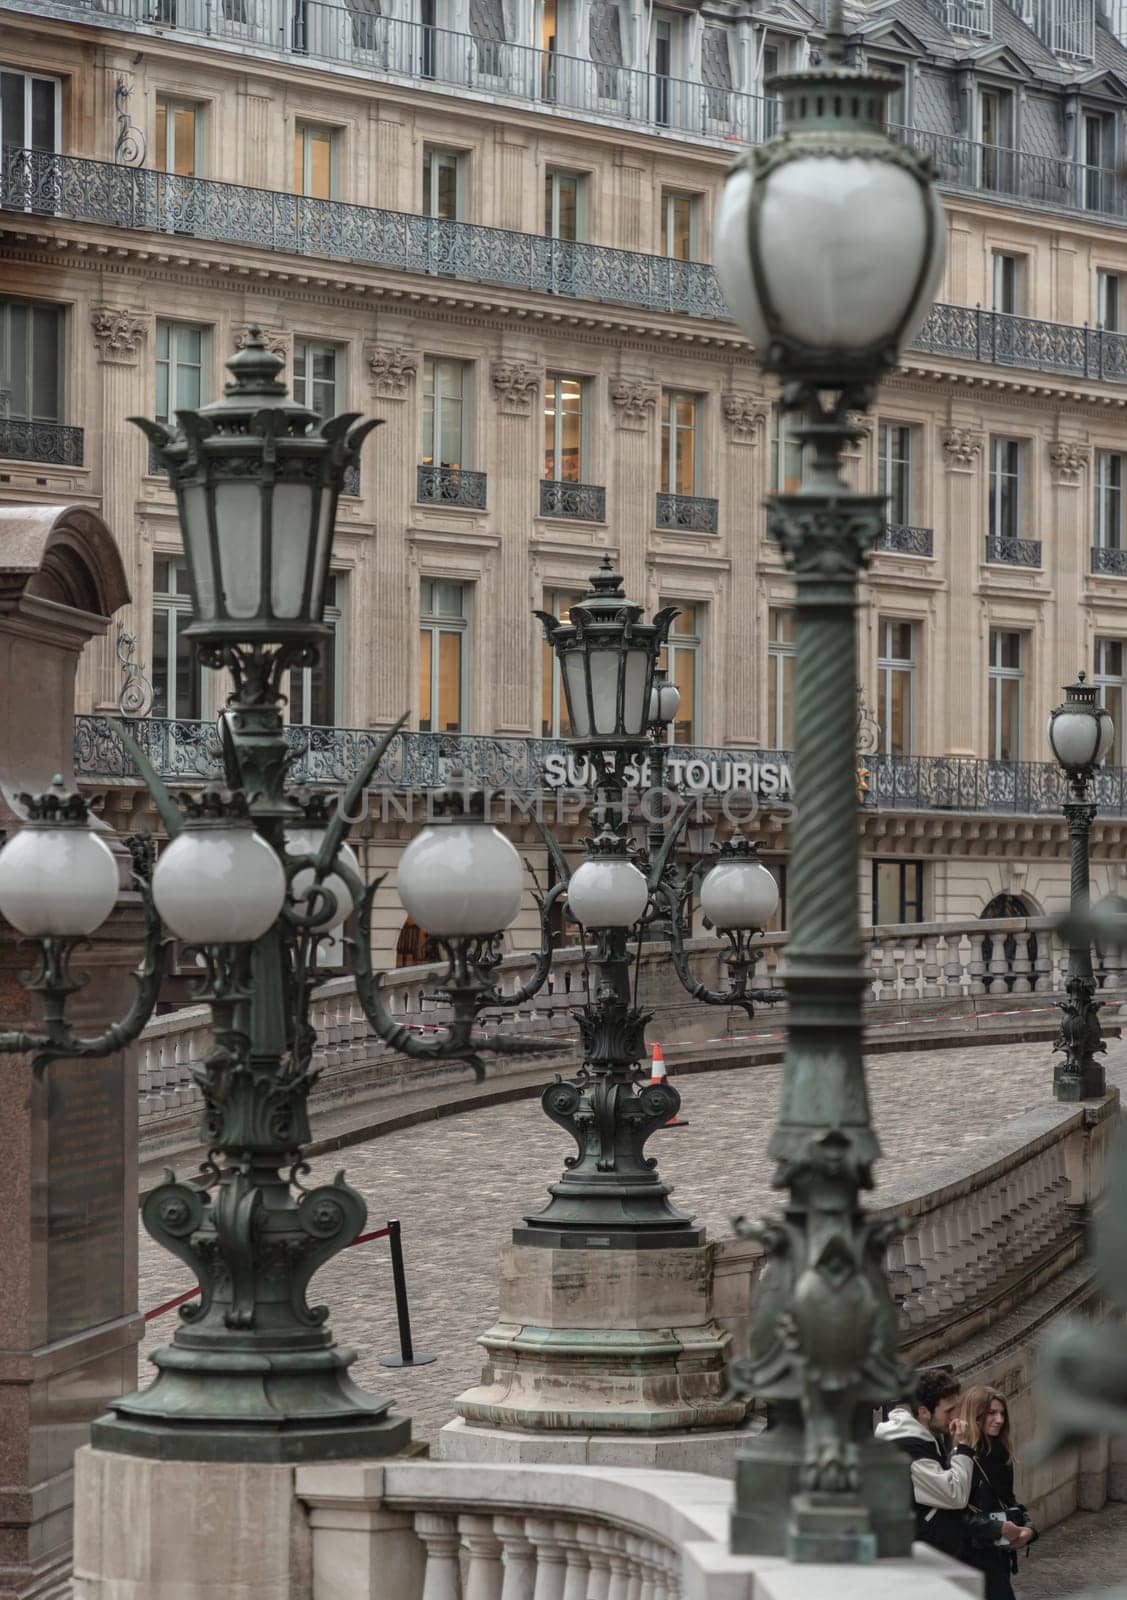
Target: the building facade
pixel 490 225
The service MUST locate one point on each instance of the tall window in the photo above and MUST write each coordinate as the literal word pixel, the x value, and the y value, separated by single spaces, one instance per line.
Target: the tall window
pixel 178 137
pixel 1006 283
pixel 445 429
pixel 1099 139
pixel 1109 500
pixel 995 130
pixel 682 654
pixel 31 361
pixel 895 471
pixel 177 674
pixel 1110 684
pixel 898 892
pixel 1005 487
pixel 786 453
pixel 679 442
pixel 896 672
pixel 30 110
pixel 563 205
pixel 678 224
pixel 315 692
pixel 443 631
pixel 563 428
pixel 315 161
pixel 1107 300
pixel 554 722
pixel 442 184
pixel 1006 690
pixel 317 370
pixel 181 349
pixel 780 678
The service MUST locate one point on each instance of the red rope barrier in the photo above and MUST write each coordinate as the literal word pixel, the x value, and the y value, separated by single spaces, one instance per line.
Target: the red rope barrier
pixel 190 1294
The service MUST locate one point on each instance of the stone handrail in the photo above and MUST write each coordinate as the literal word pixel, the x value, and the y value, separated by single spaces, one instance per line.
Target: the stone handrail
pixel 447 1531
pixel 916 963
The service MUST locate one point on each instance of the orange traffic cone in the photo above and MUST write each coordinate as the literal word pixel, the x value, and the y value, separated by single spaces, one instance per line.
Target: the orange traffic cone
pixel 658 1075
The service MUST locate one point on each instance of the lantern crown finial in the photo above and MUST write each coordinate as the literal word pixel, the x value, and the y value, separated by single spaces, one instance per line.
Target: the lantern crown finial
pixel 254 369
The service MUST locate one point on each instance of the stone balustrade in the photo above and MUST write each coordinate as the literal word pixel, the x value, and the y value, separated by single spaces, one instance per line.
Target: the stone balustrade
pixel 928 964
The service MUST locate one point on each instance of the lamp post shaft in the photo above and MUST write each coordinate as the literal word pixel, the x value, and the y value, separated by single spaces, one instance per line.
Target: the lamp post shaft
pixel 1079 1076
pixel 814 1486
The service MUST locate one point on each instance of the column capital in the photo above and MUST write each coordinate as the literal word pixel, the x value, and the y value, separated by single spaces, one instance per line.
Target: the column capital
pixel 515 386
pixel 1067 460
pixel 633 401
pixel 391 370
pixel 119 333
pixel 961 447
pixel 745 417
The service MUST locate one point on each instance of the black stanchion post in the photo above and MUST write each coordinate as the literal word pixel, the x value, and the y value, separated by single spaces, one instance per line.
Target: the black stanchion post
pixel 408 1356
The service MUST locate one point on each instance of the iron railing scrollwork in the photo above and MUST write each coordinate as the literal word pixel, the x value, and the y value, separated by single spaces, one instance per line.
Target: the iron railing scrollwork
pixel 1014 552
pixel 688 512
pixel 451 486
pixel 1110 562
pixel 585 502
pixel 904 541
pixel 55 444
pixel 351 482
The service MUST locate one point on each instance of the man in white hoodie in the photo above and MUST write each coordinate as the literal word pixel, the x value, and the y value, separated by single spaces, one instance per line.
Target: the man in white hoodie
pixel 942 1464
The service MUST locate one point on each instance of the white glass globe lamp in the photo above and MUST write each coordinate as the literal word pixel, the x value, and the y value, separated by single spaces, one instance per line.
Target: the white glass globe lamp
pixel 607 890
pixel 460 878
pixel 58 879
pixel 219 882
pixel 1081 731
pixel 739 892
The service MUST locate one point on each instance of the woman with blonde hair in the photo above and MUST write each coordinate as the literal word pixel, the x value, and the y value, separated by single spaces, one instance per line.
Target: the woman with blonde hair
pixel 998 1525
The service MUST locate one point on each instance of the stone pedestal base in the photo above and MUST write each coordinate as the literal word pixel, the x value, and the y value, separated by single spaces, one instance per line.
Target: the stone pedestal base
pixel 617 1342
pixel 185 1530
pixel 711 1451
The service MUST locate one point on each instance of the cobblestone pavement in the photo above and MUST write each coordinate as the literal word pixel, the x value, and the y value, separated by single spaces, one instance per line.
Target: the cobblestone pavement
pixel 458 1185
pixel 1086 1555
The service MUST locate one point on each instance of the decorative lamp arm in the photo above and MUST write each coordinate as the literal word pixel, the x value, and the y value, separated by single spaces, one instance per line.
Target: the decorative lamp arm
pixel 657 871
pixel 55 983
pixel 741 959
pixel 547 949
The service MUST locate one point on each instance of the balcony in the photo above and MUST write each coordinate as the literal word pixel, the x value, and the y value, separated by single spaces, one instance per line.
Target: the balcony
pixel 52 444
pixel 451 486
pixel 903 541
pixel 1014 552
pixel 585 502
pixel 396 50
pixel 687 513
pixel 1111 563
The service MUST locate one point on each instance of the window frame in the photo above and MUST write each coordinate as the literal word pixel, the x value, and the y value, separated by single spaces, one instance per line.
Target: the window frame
pixel 303 127
pixel 1007 282
pixel 432 367
pixel 179 610
pixel 1004 515
pixel 558 603
pixel 1103 680
pixel 336 603
pixel 174 102
pixel 669 200
pixel 782 442
pixel 435 158
pixel 889 668
pixel 780 651
pixel 670 445
pixel 905 900
pixel 305 385
pixel 29 78
pixel 691 645
pixel 1109 501
pixel 1109 291
pixel 553 393
pixel 997 676
pixel 434 624
pixel 175 401
pixel 892 466
pixel 6 345
pixel 552 177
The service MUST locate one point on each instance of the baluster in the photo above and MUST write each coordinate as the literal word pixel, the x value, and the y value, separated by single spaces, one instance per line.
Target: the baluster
pixel 619 1587
pixel 910 971
pixel 976 966
pixel 913 1310
pixel 1022 965
pixel 183 1051
pixel 999 967
pixel 578 1565
pixel 956 975
pixel 1042 962
pixel 551 1569
pixel 873 955
pixel 599 1553
pixel 634 1567
pixel 932 967
pixel 518 1559
pixel 439 1534
pixel 483 1571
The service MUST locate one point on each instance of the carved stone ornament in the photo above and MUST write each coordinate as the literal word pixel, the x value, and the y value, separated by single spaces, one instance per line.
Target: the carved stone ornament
pixel 744 416
pixel 960 447
pixel 118 334
pixel 277 343
pixel 860 421
pixel 516 386
pixel 392 370
pixel 1067 460
pixel 633 402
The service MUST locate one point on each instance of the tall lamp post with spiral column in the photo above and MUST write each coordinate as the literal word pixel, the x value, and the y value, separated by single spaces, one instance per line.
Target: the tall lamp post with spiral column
pixel 830 249
pixel 1081 733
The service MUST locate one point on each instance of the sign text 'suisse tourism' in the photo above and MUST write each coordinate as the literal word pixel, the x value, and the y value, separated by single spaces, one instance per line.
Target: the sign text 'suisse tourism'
pixel 768 781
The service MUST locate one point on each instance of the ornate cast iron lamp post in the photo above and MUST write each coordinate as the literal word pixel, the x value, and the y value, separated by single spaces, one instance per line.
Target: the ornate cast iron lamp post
pixel 1080 736
pixel 253 876
pixel 830 247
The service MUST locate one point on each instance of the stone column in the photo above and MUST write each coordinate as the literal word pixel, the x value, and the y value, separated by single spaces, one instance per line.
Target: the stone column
pixel 634 406
pixel 68 1314
pixel 516 386
pixel 745 429
pixel 384 674
pixel 119 335
pixel 962 451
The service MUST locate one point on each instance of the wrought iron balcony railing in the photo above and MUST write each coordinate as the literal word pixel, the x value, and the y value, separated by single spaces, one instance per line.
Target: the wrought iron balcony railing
pixel 586 502
pixel 451 486
pixel 1014 552
pixel 52 443
pixel 690 513
pixel 907 541
pixel 100 192
pixel 1112 563
pixel 190 752
pixel 353 36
